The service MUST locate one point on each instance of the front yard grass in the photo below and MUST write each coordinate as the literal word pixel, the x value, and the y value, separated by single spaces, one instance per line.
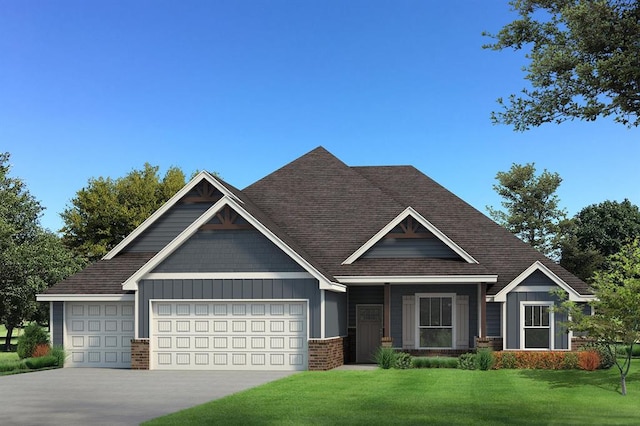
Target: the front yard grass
pixel 430 396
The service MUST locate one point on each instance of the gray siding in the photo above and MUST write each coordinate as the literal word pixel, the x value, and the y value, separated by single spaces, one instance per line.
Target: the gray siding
pixel 410 248
pixel 335 305
pixel 57 327
pixel 494 312
pixel 397 291
pixel 229 289
pixel 228 251
pixel 167 227
pixel 369 295
pixel 513 318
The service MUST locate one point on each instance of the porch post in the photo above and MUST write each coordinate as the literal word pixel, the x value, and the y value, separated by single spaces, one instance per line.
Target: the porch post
pixel 483 310
pixel 387 311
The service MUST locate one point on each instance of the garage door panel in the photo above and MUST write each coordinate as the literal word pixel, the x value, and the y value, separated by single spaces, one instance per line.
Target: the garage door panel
pixel 229 335
pixel 99 334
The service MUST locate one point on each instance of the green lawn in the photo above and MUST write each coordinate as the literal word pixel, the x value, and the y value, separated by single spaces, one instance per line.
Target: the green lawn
pixel 429 396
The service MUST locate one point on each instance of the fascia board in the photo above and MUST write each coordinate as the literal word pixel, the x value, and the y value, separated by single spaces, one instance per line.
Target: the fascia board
pixel 409 211
pixel 501 296
pixel 166 206
pixel 85 297
pixel 418 279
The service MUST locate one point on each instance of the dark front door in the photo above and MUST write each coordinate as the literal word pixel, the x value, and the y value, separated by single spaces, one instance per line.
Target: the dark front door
pixel 368 331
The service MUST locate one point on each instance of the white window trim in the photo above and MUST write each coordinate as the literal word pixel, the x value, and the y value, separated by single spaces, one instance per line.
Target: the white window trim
pixel 453 318
pixel 552 334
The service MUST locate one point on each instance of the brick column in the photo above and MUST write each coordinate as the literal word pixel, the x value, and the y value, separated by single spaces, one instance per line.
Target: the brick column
pixel 139 354
pixel 326 354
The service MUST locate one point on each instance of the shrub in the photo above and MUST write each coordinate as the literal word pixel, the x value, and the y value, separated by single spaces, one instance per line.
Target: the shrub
pixel 606 357
pixel 403 360
pixel 484 359
pixel 467 361
pixel 41 349
pixel 508 360
pixel 570 361
pixel 435 362
pixel 33 336
pixel 385 357
pixel 41 362
pixel 12 366
pixel 545 360
pixel 60 354
pixel 588 360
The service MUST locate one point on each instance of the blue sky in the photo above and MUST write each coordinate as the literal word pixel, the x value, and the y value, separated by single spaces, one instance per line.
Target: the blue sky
pixel 98 88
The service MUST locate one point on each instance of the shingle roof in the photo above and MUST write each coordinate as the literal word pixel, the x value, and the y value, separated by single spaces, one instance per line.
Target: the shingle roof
pixel 103 276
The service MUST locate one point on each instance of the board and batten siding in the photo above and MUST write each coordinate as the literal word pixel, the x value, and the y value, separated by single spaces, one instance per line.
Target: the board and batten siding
pixel 365 295
pixel 237 289
pixel 57 326
pixel 405 248
pixel 561 338
pixel 494 313
pixel 166 228
pixel 399 291
pixel 335 308
pixel 228 251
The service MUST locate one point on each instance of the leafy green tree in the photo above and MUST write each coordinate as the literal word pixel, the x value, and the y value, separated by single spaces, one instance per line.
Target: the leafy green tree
pixel 530 205
pixel 616 306
pixel 30 257
pixel 598 231
pixel 584 61
pixel 107 210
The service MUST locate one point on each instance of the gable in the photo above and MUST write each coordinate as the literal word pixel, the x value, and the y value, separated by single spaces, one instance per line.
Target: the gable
pixel 408 240
pixel 410 235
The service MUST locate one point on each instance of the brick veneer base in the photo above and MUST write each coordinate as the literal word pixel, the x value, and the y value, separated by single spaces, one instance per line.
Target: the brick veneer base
pixel 326 354
pixel 140 354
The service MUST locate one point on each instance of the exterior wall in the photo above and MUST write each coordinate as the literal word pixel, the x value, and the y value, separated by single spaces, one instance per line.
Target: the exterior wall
pixel 57 326
pixel 140 354
pixel 167 227
pixel 399 248
pixel 256 289
pixel 326 354
pixel 335 314
pixel 363 295
pixel 561 338
pixel 397 291
pixel 228 251
pixel 494 313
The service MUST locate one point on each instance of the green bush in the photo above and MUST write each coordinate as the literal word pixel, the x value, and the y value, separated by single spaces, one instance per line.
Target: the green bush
pixel 33 336
pixel 509 360
pixel 60 355
pixel 606 357
pixel 635 352
pixel 467 361
pixel 12 366
pixel 41 362
pixel 385 357
pixel 484 359
pixel 571 361
pixel 403 360
pixel 434 362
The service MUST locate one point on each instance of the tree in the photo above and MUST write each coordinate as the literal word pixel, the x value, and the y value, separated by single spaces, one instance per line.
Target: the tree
pixel 616 306
pixel 531 205
pixel 30 258
pixel 598 231
pixel 107 210
pixel 584 61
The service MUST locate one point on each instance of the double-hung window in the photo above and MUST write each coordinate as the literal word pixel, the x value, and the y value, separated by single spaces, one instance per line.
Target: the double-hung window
pixel 537 325
pixel 435 320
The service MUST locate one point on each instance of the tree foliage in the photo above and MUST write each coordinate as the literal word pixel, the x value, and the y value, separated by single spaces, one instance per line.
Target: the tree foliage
pixel 107 210
pixel 598 231
pixel 531 209
pixel 584 61
pixel 616 306
pixel 31 258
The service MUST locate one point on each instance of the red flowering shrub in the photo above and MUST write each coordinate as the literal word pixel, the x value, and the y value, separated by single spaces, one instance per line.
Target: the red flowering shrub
pixel 543 360
pixel 588 360
pixel 41 349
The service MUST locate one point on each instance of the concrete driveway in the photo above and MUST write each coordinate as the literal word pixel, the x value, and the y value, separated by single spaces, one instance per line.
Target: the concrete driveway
pixel 100 396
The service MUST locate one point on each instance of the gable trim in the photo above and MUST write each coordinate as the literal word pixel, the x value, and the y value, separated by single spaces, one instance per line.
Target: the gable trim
pixel 166 206
pixel 85 297
pixel 501 296
pixel 418 279
pixel 409 211
pixel 132 281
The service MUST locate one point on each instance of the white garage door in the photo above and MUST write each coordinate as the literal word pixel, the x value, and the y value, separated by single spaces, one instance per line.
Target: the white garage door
pixel 98 334
pixel 229 335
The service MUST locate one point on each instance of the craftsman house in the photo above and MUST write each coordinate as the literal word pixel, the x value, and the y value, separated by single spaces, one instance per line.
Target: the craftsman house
pixel 314 265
